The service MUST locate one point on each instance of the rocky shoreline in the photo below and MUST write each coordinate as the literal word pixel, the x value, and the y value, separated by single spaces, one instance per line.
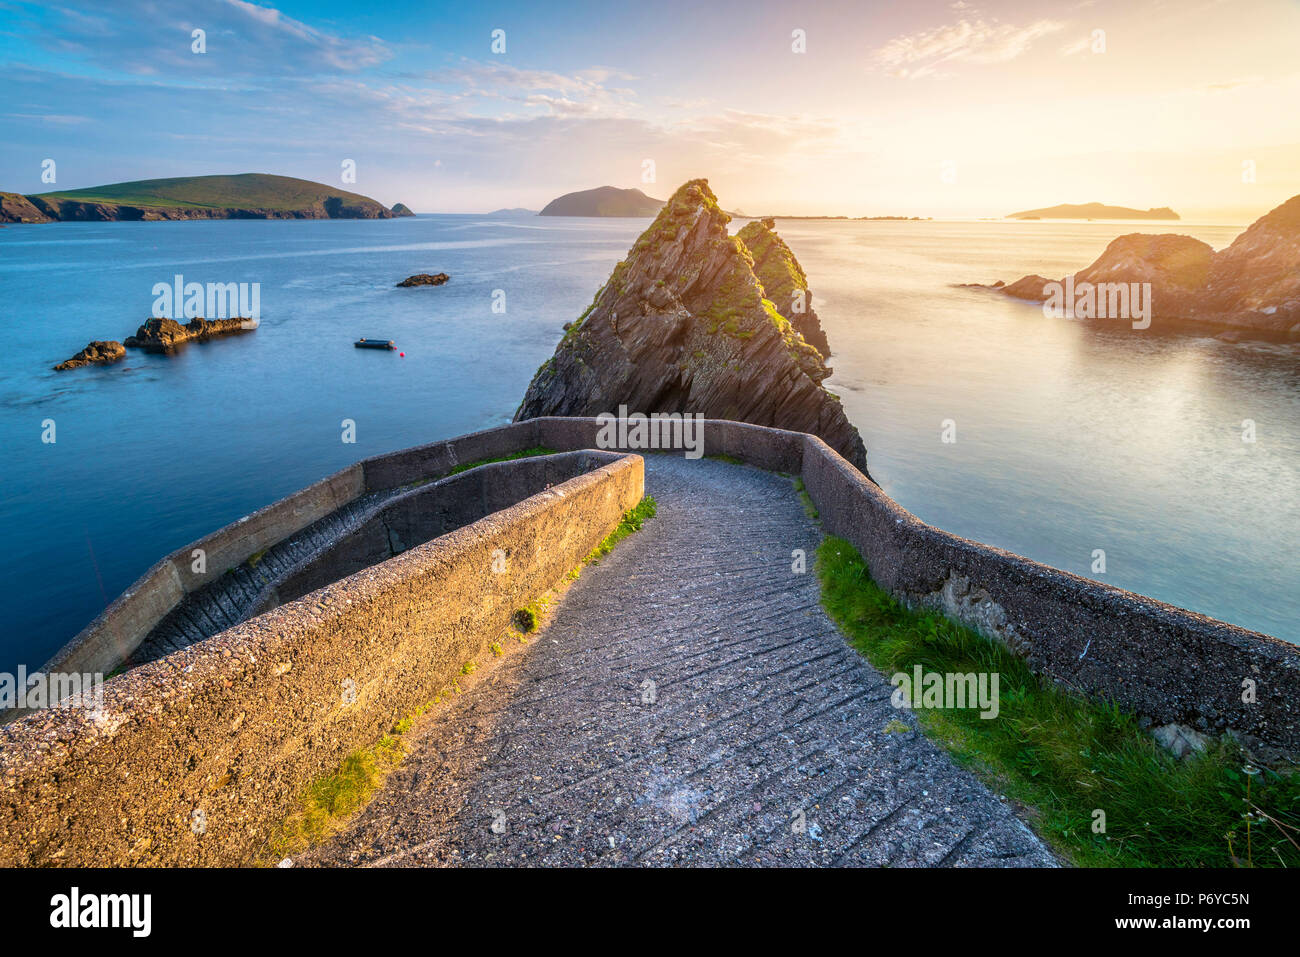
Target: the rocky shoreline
pixel 1249 290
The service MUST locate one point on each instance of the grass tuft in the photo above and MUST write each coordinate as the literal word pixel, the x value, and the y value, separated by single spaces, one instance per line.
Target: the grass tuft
pixel 631 522
pixel 521 454
pixel 1063 756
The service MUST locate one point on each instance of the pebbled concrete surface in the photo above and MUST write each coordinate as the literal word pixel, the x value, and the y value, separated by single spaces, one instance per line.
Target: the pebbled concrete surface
pixel 765 742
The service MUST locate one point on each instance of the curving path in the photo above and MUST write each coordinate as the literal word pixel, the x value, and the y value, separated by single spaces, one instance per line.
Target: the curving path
pixel 767 742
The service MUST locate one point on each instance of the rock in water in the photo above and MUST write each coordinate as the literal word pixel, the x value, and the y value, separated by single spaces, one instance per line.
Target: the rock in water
pixel 784 282
pixel 682 326
pixel 424 279
pixel 167 335
pixel 1250 289
pixel 97 353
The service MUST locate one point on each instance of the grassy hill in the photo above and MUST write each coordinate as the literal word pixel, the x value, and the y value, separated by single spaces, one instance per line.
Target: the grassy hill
pixel 243 195
pixel 603 201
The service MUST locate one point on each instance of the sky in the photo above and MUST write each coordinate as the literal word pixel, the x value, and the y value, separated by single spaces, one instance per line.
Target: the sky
pixel 945 109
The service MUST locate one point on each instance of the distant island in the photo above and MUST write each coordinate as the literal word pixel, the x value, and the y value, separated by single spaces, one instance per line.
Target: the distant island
pixel 513 212
pixel 241 196
pixel 603 201
pixel 1094 211
pixel 854 219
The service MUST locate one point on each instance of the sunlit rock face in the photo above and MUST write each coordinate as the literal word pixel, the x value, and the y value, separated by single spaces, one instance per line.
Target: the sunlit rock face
pixel 683 325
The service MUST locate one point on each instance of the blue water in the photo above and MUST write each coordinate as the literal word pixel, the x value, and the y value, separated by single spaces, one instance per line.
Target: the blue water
pixel 1070 438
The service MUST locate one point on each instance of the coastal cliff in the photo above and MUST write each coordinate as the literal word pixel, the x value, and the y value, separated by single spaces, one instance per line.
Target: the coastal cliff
pixel 683 325
pixel 1251 288
pixel 242 196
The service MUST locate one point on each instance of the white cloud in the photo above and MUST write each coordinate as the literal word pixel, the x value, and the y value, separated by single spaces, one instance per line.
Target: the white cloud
pixel 970 41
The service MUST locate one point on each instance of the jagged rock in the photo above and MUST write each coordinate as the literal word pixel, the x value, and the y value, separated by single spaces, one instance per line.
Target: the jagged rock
pixel 784 281
pixel 401 209
pixel 424 279
pixel 1251 288
pixel 682 326
pixel 1261 269
pixel 167 335
pixel 97 353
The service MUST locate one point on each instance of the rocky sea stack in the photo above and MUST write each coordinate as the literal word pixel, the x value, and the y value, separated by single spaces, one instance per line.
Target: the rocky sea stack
pixel 684 324
pixel 784 282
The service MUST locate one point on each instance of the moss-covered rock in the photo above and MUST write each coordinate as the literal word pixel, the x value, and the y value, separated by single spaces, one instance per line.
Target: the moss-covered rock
pixel 685 324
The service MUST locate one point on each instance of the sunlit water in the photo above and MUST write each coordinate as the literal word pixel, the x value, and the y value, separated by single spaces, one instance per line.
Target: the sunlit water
pixel 1070 438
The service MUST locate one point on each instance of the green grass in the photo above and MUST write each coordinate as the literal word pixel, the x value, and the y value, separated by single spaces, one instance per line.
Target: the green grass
pixel 330 800
pixel 809 508
pixel 522 454
pixel 1062 756
pixel 631 522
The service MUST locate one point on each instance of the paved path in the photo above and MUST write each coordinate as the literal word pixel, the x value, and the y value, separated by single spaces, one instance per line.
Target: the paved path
pixel 762 720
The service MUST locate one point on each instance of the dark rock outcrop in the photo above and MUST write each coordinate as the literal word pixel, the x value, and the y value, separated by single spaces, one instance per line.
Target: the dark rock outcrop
pixel 401 209
pixel 682 326
pixel 424 279
pixel 784 282
pixel 1251 289
pixel 167 335
pixel 98 352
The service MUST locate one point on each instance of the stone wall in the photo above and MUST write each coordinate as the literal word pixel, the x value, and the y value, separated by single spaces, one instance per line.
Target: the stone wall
pixel 237 725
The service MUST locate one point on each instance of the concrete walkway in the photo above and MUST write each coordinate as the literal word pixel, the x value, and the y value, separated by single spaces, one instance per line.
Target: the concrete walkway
pixel 762 741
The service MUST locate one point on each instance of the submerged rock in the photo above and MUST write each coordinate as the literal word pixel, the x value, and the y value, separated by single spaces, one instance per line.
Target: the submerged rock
pixel 682 325
pixel 424 279
pixel 99 352
pixel 167 335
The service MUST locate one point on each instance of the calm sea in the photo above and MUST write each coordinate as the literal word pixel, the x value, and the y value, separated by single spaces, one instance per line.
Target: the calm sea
pixel 1070 438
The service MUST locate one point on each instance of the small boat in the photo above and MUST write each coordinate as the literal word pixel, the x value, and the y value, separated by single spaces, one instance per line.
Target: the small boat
pixel 375 344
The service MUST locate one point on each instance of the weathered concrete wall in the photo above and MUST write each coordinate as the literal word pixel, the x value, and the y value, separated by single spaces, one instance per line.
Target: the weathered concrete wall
pixel 237 725
pixel 1163 662
pixel 110 639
